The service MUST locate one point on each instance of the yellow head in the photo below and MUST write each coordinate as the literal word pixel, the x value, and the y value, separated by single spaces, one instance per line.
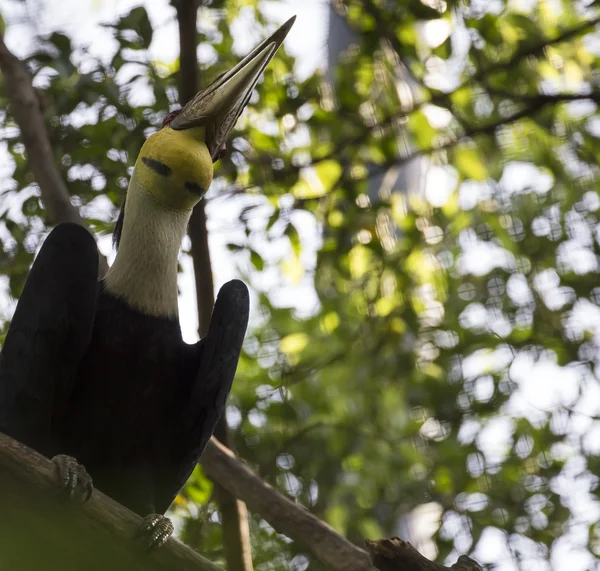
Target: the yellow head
pixel 175 167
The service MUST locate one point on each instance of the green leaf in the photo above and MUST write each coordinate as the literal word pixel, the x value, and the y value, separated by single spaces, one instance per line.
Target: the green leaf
pixel 138 21
pixel 257 261
pixel 469 163
pixel 421 129
pixel 294 343
pixel 318 180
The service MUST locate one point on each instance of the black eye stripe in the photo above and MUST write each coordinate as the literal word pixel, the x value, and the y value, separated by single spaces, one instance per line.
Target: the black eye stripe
pixel 160 168
pixel 195 188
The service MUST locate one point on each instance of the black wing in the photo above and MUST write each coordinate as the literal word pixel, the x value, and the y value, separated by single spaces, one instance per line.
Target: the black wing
pixel 48 335
pixel 220 351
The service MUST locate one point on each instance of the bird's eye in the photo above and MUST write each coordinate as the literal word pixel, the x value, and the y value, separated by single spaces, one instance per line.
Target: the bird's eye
pixel 221 152
pixel 195 188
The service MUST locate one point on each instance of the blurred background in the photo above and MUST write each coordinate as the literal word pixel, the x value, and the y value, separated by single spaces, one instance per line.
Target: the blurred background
pixel 412 197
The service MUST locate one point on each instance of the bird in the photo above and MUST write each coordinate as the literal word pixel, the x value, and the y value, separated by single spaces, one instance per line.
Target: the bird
pixel 94 373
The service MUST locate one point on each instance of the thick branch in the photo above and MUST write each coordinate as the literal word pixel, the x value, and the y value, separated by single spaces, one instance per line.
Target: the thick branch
pixel 25 108
pixel 397 555
pixel 328 546
pixel 289 518
pixel 234 516
pixel 41 532
pixel 188 86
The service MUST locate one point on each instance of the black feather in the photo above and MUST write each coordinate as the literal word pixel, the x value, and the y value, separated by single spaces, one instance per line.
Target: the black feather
pixel 48 336
pixel 83 374
pixel 116 238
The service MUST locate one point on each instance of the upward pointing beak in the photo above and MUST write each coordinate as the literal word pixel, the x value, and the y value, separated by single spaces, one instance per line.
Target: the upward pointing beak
pixel 218 106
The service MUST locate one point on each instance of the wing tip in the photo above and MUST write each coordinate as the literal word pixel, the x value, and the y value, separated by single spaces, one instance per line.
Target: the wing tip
pixel 236 291
pixel 72 235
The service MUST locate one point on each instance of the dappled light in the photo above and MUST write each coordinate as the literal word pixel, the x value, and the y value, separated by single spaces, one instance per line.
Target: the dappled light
pixel 418 222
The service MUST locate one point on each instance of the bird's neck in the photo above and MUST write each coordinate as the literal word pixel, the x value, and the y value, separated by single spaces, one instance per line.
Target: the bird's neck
pixel 144 273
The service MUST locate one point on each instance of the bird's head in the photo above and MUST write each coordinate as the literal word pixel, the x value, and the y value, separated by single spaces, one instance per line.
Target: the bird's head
pixel 175 164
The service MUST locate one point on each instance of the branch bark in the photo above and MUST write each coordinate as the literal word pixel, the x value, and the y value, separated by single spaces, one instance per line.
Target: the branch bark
pixel 25 108
pixel 234 516
pixel 397 555
pixel 328 546
pixel 41 532
pixel 332 549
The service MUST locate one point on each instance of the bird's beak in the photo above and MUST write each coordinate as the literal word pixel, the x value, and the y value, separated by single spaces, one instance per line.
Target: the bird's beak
pixel 218 106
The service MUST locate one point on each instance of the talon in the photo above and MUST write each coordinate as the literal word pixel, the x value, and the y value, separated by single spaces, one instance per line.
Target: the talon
pixel 73 477
pixel 157 528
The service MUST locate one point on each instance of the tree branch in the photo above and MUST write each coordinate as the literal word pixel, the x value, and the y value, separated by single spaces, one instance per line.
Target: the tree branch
pixel 25 108
pixel 41 532
pixel 234 516
pixel 534 50
pixel 328 546
pixel 534 104
pixel 440 98
pixel 397 555
pixel 289 518
pixel 527 51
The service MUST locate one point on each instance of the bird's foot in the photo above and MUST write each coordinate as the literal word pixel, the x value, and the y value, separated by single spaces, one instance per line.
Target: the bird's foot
pixel 156 530
pixel 73 478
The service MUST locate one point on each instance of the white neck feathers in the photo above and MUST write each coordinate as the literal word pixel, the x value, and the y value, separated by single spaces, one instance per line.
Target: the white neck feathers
pixel 144 273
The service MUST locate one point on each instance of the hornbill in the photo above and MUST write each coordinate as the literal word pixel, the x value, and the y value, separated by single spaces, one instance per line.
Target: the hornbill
pixel 95 373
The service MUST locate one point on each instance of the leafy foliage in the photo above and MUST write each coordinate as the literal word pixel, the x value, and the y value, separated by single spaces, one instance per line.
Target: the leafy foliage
pixel 451 357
